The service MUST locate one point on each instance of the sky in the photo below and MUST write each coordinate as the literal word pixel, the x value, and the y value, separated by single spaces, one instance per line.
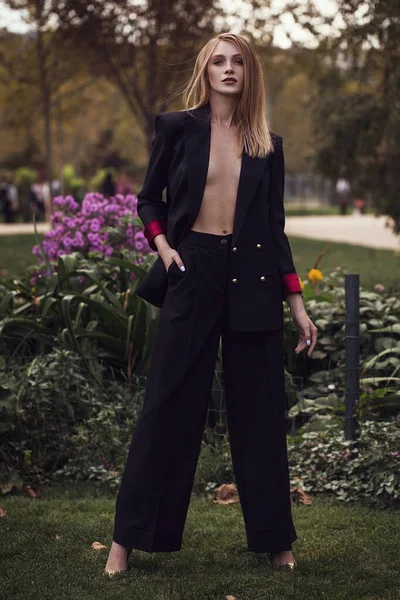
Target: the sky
pixel 13 20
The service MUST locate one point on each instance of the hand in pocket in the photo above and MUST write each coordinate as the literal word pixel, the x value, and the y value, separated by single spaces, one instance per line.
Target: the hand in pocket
pixel 170 257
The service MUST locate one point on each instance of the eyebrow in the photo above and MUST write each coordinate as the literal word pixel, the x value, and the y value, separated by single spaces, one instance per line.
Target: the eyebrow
pixel 223 55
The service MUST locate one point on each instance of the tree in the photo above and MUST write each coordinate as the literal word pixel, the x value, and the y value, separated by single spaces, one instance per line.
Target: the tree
pixel 143 48
pixel 356 106
pixel 148 49
pixel 46 66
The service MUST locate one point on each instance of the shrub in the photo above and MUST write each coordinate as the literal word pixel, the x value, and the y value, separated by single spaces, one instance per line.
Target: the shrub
pixel 52 415
pixel 367 468
pixel 323 373
pixel 99 226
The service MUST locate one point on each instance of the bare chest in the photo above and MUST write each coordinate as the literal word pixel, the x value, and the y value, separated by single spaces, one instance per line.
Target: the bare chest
pixel 217 211
pixel 224 162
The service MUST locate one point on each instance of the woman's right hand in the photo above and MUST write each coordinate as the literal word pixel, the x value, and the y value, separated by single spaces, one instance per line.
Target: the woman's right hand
pixel 168 256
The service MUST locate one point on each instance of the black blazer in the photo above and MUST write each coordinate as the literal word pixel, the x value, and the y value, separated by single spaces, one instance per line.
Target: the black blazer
pixel 261 260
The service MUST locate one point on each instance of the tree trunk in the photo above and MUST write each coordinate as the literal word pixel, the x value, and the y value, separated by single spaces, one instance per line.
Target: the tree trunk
pixel 46 100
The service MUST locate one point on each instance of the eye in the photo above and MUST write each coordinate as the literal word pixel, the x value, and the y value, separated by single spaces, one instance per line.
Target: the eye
pixel 218 61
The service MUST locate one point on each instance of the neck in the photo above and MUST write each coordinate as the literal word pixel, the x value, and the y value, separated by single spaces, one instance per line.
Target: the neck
pixel 222 109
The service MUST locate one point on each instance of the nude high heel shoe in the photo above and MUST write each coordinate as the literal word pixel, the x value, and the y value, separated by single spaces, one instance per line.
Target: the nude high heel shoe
pixel 278 565
pixel 109 572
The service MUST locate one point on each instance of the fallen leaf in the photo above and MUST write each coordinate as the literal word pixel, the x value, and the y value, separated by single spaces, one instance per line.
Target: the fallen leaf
pixel 126 299
pixel 230 598
pixel 31 492
pixel 227 493
pixel 57 536
pixel 3 512
pixel 98 546
pixel 300 497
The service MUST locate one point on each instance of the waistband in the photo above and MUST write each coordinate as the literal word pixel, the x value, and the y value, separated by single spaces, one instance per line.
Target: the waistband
pixel 209 240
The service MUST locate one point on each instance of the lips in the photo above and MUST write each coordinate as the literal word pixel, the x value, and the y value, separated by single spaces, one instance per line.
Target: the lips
pixel 229 79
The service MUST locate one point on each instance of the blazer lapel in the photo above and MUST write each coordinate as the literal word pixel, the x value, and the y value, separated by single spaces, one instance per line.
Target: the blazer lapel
pixel 197 148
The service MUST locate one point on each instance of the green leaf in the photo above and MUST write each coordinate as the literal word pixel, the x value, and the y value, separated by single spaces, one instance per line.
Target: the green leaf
pixel 129 266
pixel 113 320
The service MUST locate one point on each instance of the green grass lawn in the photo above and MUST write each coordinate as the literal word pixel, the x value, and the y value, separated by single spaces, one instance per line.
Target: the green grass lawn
pixel 16 252
pixel 342 552
pixel 374 266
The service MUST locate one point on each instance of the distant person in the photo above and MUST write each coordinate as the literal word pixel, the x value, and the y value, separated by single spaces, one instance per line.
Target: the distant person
pixel 108 186
pixel 124 185
pixel 13 190
pixel 343 189
pixel 56 187
pixel 37 201
pixel 6 202
pixel 359 206
pixel 47 197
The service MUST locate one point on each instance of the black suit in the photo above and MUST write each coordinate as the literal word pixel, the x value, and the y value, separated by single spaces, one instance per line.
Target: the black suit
pixel 179 162
pixel 199 306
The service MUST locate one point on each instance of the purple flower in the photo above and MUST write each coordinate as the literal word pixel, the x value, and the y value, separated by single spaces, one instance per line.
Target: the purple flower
pixel 95 225
pixel 93 237
pixel 55 216
pixel 108 250
pixel 69 222
pixel 79 225
pixel 72 205
pixel 59 201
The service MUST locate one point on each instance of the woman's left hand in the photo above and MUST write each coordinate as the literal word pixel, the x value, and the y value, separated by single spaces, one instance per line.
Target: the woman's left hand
pixel 307 331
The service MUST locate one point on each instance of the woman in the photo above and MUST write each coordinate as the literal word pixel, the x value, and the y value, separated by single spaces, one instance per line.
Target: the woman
pixel 224 268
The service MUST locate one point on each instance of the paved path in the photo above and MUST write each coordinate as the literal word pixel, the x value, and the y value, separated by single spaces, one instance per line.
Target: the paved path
pixel 22 228
pixel 362 230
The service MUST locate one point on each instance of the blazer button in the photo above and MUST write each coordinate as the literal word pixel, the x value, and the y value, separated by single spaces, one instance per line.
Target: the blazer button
pixel 258 246
pixel 234 280
pixel 234 249
pixel 262 278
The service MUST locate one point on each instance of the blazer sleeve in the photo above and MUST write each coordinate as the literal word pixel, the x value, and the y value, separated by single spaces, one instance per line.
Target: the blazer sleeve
pixel 289 279
pixel 151 208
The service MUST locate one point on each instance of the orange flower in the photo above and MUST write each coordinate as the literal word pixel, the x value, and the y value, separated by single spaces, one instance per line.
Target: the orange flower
pixel 301 282
pixel 315 275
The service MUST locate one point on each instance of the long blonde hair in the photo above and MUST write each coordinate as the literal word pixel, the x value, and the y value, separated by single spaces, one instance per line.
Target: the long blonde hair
pixel 250 114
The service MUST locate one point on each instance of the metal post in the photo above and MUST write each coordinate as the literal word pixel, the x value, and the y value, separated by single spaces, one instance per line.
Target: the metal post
pixel 352 349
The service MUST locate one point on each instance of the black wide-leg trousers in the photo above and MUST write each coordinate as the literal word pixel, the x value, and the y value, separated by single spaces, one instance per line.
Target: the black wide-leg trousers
pixel 156 484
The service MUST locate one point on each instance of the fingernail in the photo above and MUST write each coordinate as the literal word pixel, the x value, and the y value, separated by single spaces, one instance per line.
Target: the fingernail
pixel 183 268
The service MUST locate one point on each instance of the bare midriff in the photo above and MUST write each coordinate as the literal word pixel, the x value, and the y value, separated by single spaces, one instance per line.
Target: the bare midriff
pixel 217 209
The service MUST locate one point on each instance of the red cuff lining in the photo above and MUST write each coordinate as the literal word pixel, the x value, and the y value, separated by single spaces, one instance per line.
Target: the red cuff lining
pixel 152 229
pixel 290 284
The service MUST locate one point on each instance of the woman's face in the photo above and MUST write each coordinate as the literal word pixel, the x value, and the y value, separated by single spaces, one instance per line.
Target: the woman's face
pixel 226 61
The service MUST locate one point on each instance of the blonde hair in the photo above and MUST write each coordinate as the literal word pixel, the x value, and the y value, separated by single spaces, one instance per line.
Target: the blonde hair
pixel 250 114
